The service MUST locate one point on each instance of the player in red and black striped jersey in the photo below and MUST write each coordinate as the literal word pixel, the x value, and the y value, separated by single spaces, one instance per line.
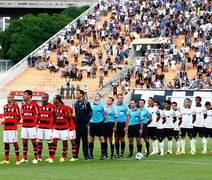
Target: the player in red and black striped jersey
pixel 61 128
pixel 45 125
pixel 30 114
pixel 72 134
pixel 10 134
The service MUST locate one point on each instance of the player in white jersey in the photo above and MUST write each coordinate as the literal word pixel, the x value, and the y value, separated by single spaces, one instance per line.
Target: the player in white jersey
pixel 152 126
pixel 198 125
pixel 208 122
pixel 187 118
pixel 160 135
pixel 168 124
pixel 176 127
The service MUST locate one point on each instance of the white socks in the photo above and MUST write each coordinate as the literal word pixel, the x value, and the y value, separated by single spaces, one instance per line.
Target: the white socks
pixel 170 147
pixel 204 143
pixel 178 145
pixel 155 146
pixel 183 145
pixel 192 145
pixel 195 144
pixel 161 145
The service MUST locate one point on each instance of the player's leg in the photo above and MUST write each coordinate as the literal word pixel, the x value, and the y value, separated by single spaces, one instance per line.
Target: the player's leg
pixel 122 139
pixel 160 138
pixel 103 151
pixel 6 152
pixel 192 143
pixel 204 143
pixel 84 133
pixel 111 148
pixel 176 137
pixel 182 140
pixel 25 150
pixel 130 139
pixel 24 136
pixel 40 143
pixel 137 135
pixel 153 136
pixel 146 139
pixel 78 137
pixel 65 149
pixel 35 148
pixel 117 139
pixel 195 132
pixel 100 133
pixel 16 147
pixel 169 135
pixel 6 147
pixel 72 137
pixel 40 148
pixel 54 145
pixel 92 139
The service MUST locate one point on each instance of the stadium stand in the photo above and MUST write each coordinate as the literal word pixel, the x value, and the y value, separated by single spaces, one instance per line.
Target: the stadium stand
pixel 99 41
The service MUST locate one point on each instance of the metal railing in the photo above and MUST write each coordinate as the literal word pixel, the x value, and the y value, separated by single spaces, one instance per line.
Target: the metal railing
pixel 21 66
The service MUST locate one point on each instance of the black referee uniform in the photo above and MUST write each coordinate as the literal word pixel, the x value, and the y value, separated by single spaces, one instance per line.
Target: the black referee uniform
pixel 83 113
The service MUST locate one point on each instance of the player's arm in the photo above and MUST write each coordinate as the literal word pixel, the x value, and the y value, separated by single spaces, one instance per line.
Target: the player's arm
pixel 150 119
pixel 158 116
pixel 141 124
pixel 127 123
pixel 194 116
pixel 205 113
pixel 115 120
pixel 37 109
pixel 104 113
pixel 18 112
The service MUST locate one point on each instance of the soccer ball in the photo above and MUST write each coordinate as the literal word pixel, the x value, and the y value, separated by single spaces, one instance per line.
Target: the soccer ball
pixel 139 156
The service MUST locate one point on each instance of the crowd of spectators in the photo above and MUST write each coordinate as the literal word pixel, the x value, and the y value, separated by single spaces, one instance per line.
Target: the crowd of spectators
pixel 99 47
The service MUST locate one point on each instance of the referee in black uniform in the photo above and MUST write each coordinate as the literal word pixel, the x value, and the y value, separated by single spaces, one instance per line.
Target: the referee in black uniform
pixel 83 113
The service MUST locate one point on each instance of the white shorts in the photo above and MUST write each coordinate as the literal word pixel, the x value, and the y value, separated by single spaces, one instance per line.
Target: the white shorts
pixel 45 134
pixel 60 134
pixel 10 136
pixel 28 133
pixel 72 135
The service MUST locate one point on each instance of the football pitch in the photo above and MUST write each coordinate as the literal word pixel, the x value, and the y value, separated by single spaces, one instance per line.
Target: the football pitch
pixel 166 167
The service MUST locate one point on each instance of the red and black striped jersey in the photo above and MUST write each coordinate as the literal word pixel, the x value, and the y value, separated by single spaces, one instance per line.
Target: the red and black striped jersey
pixel 72 119
pixel 30 112
pixel 62 117
pixel 46 116
pixel 11 115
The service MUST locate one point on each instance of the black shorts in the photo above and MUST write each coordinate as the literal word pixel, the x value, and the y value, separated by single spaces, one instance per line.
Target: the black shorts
pixel 133 131
pixel 97 129
pixel 152 131
pixel 160 134
pixel 198 130
pixel 208 132
pixel 168 133
pixel 188 131
pixel 120 129
pixel 145 131
pixel 108 129
pixel 176 134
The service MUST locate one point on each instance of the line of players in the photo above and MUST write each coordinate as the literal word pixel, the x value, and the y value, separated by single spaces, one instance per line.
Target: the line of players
pixel 147 123
pixel 150 123
pixel 45 117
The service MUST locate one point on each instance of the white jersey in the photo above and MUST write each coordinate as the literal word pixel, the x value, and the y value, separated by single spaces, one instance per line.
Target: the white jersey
pixel 187 117
pixel 176 124
pixel 154 111
pixel 208 120
pixel 200 111
pixel 160 121
pixel 169 115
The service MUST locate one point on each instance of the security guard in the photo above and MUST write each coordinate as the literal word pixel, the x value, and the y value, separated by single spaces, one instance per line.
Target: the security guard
pixel 83 113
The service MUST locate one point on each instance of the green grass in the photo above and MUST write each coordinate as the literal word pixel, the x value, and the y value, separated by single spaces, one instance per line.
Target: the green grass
pixel 167 167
